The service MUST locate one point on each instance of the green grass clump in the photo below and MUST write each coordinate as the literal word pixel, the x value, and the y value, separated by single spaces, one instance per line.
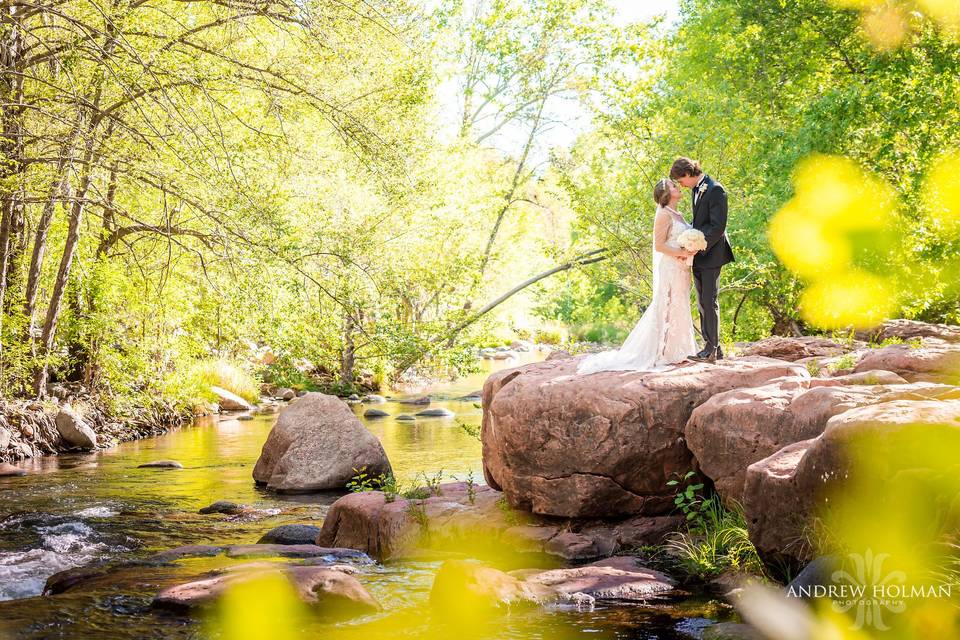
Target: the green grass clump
pixel 192 386
pixel 716 541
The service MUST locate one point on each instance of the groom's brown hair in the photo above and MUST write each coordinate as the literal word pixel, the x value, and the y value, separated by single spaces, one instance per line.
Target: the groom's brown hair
pixel 683 167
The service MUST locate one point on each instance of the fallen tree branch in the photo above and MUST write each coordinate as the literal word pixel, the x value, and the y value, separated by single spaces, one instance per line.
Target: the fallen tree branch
pixel 591 257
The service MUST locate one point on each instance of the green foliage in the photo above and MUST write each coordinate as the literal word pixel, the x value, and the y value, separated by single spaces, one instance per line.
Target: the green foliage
pixel 688 500
pixel 363 481
pixel 750 89
pixel 432 481
pixel 718 542
pixel 814 368
pixel 843 363
pixel 716 537
pixel 472 430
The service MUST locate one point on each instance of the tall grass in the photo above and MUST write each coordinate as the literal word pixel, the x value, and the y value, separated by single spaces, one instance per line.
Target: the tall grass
pixel 716 541
pixel 192 385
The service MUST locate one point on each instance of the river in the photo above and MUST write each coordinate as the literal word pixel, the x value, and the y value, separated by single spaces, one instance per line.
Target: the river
pixel 77 509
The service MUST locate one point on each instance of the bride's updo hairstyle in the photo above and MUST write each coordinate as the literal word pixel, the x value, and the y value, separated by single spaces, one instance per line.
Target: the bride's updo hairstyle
pixel 661 192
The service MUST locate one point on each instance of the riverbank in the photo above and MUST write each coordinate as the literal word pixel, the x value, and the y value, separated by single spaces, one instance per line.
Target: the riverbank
pixel 29 428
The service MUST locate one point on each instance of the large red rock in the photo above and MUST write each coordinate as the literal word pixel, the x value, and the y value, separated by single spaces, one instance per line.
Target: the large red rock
pixel 604 444
pixel 793 349
pixel 317 444
pixel 785 492
pixel 733 430
pixel 935 360
pixel 910 330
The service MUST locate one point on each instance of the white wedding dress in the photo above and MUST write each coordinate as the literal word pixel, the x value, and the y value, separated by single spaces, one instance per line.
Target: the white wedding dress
pixel 664 335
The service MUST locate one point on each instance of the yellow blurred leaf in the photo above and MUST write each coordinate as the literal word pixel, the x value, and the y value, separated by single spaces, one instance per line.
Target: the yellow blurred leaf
pixel 946 12
pixel 852 299
pixel 266 606
pixel 943 194
pixel 886 27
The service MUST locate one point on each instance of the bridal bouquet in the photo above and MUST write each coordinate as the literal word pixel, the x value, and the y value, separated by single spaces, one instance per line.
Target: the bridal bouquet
pixel 692 240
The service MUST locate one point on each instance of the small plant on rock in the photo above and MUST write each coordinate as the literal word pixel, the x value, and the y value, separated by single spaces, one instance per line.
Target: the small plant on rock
pixel 418 512
pixel 509 514
pixel 844 362
pixel 687 499
pixel 814 368
pixel 471 488
pixel 362 481
pixel 391 487
pixel 432 483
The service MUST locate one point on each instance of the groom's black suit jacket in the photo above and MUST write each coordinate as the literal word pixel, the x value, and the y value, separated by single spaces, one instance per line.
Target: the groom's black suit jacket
pixel 710 217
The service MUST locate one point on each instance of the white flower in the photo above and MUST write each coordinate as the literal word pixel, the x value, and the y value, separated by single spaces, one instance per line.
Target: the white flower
pixel 692 240
pixel 702 188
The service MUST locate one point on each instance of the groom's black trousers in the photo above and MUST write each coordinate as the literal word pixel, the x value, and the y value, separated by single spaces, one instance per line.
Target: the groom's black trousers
pixel 707 282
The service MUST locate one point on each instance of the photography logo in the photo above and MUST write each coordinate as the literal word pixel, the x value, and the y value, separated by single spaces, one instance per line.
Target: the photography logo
pixel 870 591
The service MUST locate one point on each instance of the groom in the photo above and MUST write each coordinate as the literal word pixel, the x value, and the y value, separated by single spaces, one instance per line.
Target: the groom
pixel 710 218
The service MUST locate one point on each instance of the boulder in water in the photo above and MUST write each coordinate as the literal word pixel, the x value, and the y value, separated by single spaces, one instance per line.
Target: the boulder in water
pixel 435 413
pixel 161 464
pixel 316 445
pixel 620 579
pixel 225 507
pixel 375 413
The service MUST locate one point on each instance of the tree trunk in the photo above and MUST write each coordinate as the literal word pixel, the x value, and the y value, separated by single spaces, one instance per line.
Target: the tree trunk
pixel 66 263
pixel 40 242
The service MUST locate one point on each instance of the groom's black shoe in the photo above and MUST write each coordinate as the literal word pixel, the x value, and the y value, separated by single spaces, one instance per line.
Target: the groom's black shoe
pixel 719 353
pixel 709 354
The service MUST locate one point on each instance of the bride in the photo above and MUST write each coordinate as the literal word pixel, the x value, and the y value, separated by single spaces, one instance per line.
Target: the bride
pixel 664 335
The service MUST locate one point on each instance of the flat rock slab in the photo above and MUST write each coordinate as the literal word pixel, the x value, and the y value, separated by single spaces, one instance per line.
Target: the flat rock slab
pixel 435 413
pixel 161 464
pixel 619 578
pixel 316 445
pixel 793 349
pixel 187 551
pixel 291 534
pixel 415 401
pixel 463 585
pixel 320 586
pixel 7 470
pixel 306 551
pixel 375 413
